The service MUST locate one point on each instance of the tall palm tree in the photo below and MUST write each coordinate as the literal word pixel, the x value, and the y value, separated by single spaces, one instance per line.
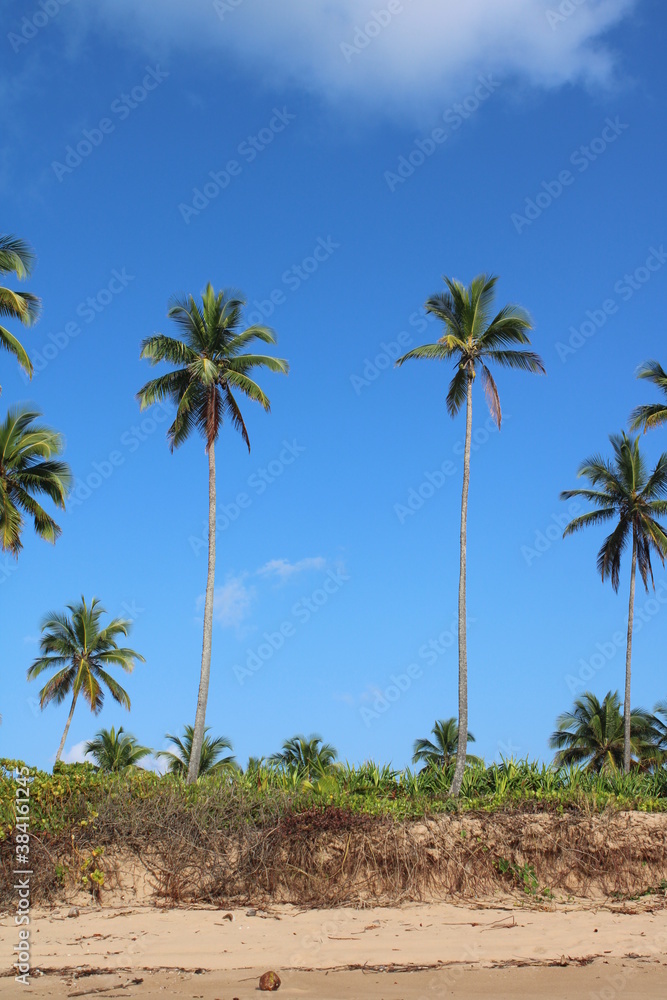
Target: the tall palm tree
pixel 81 651
pixel 592 734
pixel 473 338
pixel 115 751
pixel 29 467
pixel 645 418
pixel 441 751
pixel 210 759
pixel 211 366
pixel 625 493
pixel 16 257
pixel 310 757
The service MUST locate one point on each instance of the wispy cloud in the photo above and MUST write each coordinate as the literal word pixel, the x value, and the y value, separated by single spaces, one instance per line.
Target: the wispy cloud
pixel 76 754
pixel 283 569
pixel 232 601
pixel 417 49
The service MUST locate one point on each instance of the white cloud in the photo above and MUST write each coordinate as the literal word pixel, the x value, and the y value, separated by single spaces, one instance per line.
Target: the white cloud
pixel 430 49
pixel 283 569
pixel 76 754
pixel 231 602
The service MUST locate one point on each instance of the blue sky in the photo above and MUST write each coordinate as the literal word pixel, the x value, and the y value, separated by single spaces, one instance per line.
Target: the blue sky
pixel 333 164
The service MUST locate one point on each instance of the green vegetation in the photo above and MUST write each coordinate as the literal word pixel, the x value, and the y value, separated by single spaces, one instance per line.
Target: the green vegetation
pixel 115 751
pixel 625 492
pixel 29 468
pixel 18 258
pixel 212 364
pixel 210 757
pixel 309 758
pixel 592 735
pixel 441 751
pixel 472 340
pixel 79 650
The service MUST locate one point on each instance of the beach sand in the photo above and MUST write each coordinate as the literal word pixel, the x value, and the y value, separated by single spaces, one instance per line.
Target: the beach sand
pixel 416 951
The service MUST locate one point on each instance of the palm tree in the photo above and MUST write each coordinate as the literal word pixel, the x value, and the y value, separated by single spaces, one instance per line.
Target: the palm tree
pixel 17 257
pixel 80 651
pixel 309 757
pixel 29 467
pixel 115 751
pixel 660 711
pixel 645 418
pixel 627 494
pixel 593 734
pixel 210 759
pixel 440 752
pixel 472 339
pixel 211 365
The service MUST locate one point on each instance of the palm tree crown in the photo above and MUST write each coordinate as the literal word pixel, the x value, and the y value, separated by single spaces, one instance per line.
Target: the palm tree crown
pixel 310 757
pixel 210 760
pixel 592 734
pixel 29 467
pixel 624 491
pixel 16 257
pixel 115 751
pixel 81 651
pixel 210 364
pixel 441 751
pixel 473 339
pixel 654 414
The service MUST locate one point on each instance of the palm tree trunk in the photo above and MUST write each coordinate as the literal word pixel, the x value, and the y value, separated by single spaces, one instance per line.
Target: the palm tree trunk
pixel 462 745
pixel 67 725
pixel 200 717
pixel 628 665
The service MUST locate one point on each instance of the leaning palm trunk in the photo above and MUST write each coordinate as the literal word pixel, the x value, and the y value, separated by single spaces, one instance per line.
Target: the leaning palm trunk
pixel 67 725
pixel 463 637
pixel 627 747
pixel 200 717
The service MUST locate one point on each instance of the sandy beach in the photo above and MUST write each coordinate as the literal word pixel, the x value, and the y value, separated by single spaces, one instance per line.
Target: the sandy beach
pixel 414 951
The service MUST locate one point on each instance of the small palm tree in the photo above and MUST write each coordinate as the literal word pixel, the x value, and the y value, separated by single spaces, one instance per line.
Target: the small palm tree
pixel 115 751
pixel 625 493
pixel 29 467
pixel 592 734
pixel 441 751
pixel 210 367
pixel 473 339
pixel 210 759
pixel 17 257
pixel 660 711
pixel 80 651
pixel 644 418
pixel 310 757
